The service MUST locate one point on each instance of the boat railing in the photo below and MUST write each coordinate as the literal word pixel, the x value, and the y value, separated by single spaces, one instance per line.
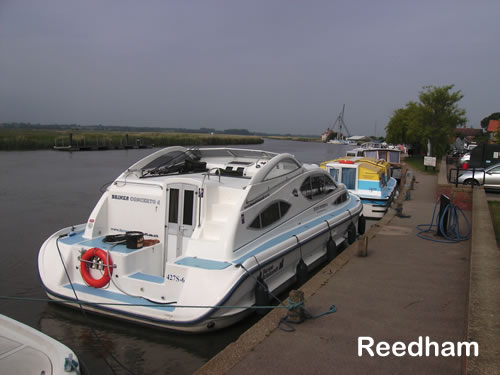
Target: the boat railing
pixel 120 183
pixel 456 172
pixel 209 173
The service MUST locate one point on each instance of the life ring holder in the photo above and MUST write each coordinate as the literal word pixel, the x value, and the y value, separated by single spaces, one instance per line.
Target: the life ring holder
pixel 87 259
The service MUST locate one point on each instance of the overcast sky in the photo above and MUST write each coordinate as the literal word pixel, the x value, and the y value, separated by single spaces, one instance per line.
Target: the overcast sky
pixel 264 65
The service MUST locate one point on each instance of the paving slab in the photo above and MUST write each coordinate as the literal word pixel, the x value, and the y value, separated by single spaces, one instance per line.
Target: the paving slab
pixel 405 288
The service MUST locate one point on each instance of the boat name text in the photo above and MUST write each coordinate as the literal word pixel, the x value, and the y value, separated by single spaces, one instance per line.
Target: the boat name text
pixel 135 199
pixel 272 269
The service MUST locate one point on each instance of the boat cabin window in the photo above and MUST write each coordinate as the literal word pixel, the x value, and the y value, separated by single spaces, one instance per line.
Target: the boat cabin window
pixel 394 157
pixel 283 167
pixel 383 180
pixel 270 215
pixel 342 198
pixel 371 154
pixel 334 172
pixel 315 187
pixel 349 177
pixel 187 212
pixel 173 206
pixel 382 155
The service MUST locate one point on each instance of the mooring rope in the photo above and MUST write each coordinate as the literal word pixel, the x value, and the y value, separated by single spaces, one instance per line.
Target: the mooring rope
pixel 290 306
pixel 304 315
pixel 160 305
pixel 86 317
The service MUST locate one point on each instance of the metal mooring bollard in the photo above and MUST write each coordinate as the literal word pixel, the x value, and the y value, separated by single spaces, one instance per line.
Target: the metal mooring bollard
pixel 296 314
pixel 363 246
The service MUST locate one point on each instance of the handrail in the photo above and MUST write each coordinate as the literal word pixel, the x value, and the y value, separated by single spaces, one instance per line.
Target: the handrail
pixel 117 183
pixel 211 169
pixel 458 170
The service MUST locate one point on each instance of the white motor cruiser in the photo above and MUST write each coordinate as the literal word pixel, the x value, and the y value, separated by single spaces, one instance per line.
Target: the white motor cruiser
pixel 24 350
pixel 191 239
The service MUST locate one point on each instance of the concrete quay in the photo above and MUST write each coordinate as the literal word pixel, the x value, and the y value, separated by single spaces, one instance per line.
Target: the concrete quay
pixel 406 287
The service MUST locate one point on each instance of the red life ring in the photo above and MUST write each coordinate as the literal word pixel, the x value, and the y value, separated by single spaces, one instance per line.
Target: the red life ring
pixel 95 252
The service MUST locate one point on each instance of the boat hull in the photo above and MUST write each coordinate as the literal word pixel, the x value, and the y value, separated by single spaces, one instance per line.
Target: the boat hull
pixel 214 232
pixel 26 350
pixel 276 264
pixel 375 210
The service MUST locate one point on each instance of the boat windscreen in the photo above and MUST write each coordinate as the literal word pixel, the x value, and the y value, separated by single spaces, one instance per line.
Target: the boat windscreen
pixel 173 162
pixel 234 153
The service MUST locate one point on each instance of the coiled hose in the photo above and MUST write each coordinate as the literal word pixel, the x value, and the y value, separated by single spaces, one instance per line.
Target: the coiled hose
pixel 451 231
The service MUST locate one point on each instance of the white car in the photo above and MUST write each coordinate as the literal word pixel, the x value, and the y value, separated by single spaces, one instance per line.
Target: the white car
pixel 489 177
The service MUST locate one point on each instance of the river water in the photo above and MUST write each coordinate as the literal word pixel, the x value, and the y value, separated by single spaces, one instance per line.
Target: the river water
pixel 44 191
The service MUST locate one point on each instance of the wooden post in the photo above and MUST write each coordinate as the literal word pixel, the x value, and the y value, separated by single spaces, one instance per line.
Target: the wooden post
pixel 296 314
pixel 363 246
pixel 403 175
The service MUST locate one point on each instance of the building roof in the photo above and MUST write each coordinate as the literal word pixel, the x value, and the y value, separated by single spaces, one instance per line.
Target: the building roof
pixel 357 138
pixel 468 132
pixel 493 125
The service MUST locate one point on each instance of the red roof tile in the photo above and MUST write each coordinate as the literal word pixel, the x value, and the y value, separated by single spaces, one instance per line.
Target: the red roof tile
pixel 468 132
pixel 493 125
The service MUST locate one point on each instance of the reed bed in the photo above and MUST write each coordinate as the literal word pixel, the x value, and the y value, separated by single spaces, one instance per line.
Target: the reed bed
pixel 31 139
pixel 298 139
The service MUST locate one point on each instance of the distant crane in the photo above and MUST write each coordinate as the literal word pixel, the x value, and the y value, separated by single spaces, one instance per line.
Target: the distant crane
pixel 341 123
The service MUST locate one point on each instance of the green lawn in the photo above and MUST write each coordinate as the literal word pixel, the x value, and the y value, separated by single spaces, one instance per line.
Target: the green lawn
pixel 417 162
pixel 495 217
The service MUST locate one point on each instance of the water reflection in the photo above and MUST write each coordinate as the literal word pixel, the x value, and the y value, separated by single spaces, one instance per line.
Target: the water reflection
pixel 44 191
pixel 101 342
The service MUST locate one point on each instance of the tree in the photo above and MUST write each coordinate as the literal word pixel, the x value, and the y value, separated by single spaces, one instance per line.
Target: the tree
pixel 441 115
pixel 405 127
pixel 485 121
pixel 433 118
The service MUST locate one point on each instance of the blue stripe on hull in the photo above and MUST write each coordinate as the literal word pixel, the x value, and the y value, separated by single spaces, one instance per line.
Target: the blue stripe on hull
pixel 369 185
pixel 378 202
pixel 273 242
pixel 120 298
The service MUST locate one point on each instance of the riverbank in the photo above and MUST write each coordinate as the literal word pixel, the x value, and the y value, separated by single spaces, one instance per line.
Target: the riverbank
pixel 41 139
pixel 405 288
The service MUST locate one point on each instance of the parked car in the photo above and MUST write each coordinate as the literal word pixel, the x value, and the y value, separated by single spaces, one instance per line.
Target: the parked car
pixel 463 159
pixel 489 177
